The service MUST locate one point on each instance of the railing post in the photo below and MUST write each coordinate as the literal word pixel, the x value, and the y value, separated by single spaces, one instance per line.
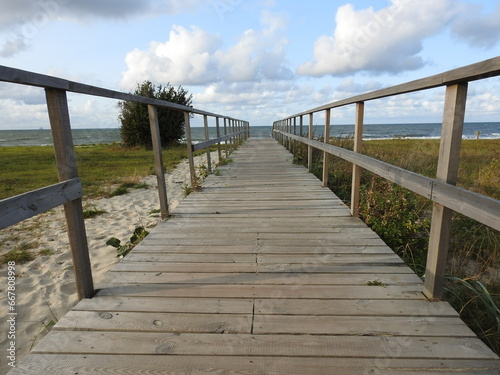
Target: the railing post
pixel 309 148
pixel 57 105
pixel 358 147
pixel 207 137
pixel 447 171
pixel 225 134
pixel 158 157
pixel 187 122
pixel 294 143
pixel 219 147
pixel 301 125
pixel 326 155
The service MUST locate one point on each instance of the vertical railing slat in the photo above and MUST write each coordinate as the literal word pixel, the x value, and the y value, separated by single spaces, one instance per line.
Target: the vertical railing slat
pixel 219 146
pixel 158 157
pixel 225 134
pixel 207 137
pixel 309 148
pixel 447 171
pixel 57 105
pixel 192 171
pixel 358 147
pixel 326 155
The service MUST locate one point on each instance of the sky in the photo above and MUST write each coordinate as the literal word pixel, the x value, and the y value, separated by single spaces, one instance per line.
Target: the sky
pixel 256 60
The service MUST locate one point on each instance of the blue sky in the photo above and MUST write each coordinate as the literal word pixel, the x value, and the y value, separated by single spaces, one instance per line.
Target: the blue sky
pixel 257 60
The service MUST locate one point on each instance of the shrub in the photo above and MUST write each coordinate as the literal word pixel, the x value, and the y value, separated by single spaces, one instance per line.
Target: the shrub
pixel 134 117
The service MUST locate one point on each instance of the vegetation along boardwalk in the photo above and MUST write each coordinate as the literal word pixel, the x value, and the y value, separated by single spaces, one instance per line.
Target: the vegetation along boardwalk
pixel 261 272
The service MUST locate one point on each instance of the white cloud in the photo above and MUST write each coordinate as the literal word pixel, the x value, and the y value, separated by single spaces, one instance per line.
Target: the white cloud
pixel 22 19
pixel 196 57
pixel 476 28
pixel 387 40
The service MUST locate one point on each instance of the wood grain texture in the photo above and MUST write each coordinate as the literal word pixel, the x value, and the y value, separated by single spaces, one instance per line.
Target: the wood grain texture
pixel 264 289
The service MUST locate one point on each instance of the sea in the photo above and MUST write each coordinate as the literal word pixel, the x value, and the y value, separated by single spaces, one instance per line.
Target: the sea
pixel 43 137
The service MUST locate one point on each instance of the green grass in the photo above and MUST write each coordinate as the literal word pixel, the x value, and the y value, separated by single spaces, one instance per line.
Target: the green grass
pixel 91 212
pixel 99 166
pixel 20 254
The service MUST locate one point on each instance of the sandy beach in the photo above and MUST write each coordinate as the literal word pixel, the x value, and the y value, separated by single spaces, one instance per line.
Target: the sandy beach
pixel 45 288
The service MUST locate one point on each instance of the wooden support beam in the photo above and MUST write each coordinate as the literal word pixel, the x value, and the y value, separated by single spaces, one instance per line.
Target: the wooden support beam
pixel 447 171
pixel 358 147
pixel 326 155
pixel 207 137
pixel 225 141
pixel 158 157
pixel 219 146
pixel 309 147
pixel 189 142
pixel 57 105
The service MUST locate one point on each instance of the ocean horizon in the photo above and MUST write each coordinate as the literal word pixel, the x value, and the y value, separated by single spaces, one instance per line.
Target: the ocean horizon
pixel 43 137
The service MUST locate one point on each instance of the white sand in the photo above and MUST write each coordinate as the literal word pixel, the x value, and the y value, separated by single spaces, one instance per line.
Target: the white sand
pixel 45 288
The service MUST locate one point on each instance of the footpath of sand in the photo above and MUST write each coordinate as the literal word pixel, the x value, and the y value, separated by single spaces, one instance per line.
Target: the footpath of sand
pixel 45 288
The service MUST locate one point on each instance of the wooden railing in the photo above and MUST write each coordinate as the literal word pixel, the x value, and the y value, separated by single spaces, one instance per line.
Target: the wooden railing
pixel 69 191
pixel 446 197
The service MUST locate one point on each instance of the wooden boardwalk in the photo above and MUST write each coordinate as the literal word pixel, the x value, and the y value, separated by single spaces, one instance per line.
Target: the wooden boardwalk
pixel 262 272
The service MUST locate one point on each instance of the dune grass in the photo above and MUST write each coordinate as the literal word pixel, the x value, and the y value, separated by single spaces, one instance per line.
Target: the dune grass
pixel 99 166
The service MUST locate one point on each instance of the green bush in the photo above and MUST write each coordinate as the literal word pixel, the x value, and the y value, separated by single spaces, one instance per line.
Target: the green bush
pixel 134 117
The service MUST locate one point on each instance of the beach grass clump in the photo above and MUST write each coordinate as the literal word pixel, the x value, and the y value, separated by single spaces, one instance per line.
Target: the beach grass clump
pixel 20 254
pixel 91 212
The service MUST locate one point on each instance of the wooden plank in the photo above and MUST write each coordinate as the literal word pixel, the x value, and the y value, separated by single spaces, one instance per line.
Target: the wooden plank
pixel 408 291
pixel 127 266
pixel 154 247
pixel 21 207
pixel 172 344
pixel 167 305
pixel 329 258
pixel 267 278
pixel 126 321
pixel 362 307
pixel 70 364
pixel 361 325
pixel 193 258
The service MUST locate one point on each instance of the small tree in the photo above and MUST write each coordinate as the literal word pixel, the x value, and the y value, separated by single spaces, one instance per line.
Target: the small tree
pixel 134 117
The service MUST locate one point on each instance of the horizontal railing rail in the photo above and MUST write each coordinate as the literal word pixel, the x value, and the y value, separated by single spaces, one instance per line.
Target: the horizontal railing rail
pixel 69 191
pixel 446 197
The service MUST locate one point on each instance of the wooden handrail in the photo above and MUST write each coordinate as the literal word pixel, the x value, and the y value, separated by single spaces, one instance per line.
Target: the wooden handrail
pixel 442 190
pixel 69 191
pixel 484 69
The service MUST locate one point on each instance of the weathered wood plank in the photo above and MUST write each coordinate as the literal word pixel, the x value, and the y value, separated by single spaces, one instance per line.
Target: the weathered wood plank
pixel 21 207
pixel 362 307
pixel 167 305
pixel 70 364
pixel 126 266
pixel 361 325
pixel 126 321
pixel 259 278
pixel 408 291
pixel 262 345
